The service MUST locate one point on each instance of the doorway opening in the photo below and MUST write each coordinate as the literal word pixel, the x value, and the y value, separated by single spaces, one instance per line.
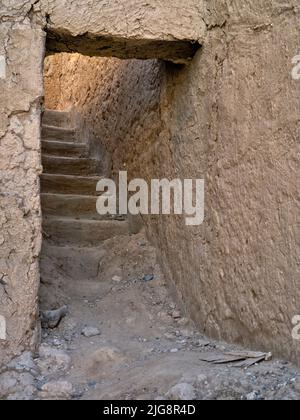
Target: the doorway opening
pixel 103 295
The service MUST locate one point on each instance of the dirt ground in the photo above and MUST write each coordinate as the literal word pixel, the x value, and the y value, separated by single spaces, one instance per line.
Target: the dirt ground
pixel 124 338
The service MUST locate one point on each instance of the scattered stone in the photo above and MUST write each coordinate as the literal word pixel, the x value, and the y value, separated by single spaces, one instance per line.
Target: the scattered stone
pixel 52 360
pixel 176 314
pixel 51 319
pixel 23 363
pixel 169 336
pixel 117 279
pixel 57 390
pixel 89 332
pixel 181 392
pixel 17 386
pixel 174 351
pixel 203 343
pixel 148 278
pixel 8 382
pixel 202 379
pixel 252 396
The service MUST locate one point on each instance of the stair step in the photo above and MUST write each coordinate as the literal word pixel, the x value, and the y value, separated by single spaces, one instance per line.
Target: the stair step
pixel 69 184
pixel 64 230
pixel 76 206
pixel 56 118
pixel 70 165
pixel 60 148
pixel 50 132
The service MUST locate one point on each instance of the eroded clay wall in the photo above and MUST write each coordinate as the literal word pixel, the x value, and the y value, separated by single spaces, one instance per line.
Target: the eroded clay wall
pixel 232 118
pixel 119 102
pixel 21 93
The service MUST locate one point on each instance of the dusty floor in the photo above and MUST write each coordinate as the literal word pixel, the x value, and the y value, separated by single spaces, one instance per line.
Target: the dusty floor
pixel 143 349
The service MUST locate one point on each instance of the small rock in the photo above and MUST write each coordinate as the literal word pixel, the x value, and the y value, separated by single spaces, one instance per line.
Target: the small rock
pixel 52 360
pixel 169 336
pixel 51 319
pixel 174 351
pixel 176 315
pixel 23 363
pixel 8 382
pixel 203 343
pixel 181 392
pixel 201 379
pixel 57 343
pixel 57 390
pixel 89 332
pixel 148 278
pixel 252 396
pixel 117 279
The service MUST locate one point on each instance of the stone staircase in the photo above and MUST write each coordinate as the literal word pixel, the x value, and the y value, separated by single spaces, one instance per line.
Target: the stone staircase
pixel 68 186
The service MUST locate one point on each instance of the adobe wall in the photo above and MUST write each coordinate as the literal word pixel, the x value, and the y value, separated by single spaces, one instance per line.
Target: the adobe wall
pixel 231 117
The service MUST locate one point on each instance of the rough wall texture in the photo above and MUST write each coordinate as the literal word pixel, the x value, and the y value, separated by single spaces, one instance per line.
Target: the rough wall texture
pixel 231 117
pixel 118 100
pixel 20 231
pixel 133 27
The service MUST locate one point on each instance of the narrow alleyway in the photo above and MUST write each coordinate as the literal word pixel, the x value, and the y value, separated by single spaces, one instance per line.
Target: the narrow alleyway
pixel 119 334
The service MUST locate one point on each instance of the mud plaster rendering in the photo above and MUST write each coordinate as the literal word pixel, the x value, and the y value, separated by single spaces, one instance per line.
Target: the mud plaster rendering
pixel 223 106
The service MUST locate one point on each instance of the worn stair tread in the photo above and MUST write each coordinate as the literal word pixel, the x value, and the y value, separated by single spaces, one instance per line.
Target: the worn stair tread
pixel 72 205
pixel 70 165
pixel 69 184
pixel 61 148
pixel 56 118
pixel 50 132
pixel 66 230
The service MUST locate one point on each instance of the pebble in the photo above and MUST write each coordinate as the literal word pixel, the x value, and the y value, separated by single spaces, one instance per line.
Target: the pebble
pixel 181 392
pixel 148 278
pixel 89 332
pixel 252 396
pixel 57 390
pixel 176 315
pixel 52 360
pixel 23 363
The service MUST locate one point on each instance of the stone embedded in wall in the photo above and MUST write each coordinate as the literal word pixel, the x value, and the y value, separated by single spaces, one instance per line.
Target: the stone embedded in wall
pixel 2 328
pixel 170 30
pixel 176 51
pixel 2 67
